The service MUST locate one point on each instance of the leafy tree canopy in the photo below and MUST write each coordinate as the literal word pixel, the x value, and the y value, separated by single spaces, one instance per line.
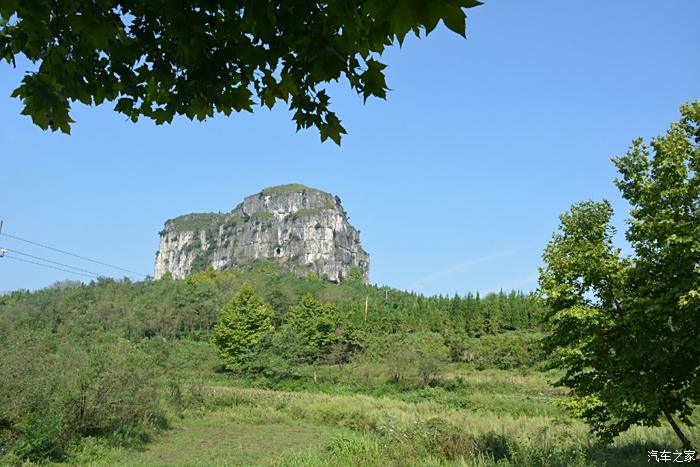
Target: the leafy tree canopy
pixel 243 321
pixel 158 59
pixel 314 321
pixel 626 329
pixel 355 276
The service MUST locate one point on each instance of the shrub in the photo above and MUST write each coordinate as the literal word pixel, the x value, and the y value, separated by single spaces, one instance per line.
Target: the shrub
pixel 416 356
pixel 443 439
pixel 55 392
pixel 276 355
pixel 505 351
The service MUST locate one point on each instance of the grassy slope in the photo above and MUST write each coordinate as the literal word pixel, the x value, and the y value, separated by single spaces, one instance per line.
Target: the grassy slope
pixel 510 418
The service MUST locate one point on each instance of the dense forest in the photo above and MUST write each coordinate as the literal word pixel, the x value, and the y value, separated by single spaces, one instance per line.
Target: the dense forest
pixel 108 359
pixel 188 308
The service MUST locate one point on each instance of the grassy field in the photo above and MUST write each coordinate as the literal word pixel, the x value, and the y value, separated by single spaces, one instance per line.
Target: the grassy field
pixel 486 417
pixel 222 437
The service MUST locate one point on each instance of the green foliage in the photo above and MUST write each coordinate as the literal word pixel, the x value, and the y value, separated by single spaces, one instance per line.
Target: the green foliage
pixel 625 330
pixel 235 56
pixel 168 325
pixel 277 355
pixel 54 392
pixel 464 416
pixel 355 276
pixel 313 278
pixel 199 263
pixel 168 276
pixel 288 188
pixel 317 324
pixel 508 350
pixel 308 212
pixel 233 220
pixel 309 332
pixel 243 321
pixel 68 345
pixel 194 222
pixel 443 439
pixel 189 308
pixel 412 357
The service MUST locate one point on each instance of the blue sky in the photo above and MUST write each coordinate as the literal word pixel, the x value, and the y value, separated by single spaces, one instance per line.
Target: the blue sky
pixel 455 181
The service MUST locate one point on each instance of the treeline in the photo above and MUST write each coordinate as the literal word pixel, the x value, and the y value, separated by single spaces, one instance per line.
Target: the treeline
pixel 189 308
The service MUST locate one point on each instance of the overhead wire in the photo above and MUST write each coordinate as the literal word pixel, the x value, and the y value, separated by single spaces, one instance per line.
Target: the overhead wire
pixel 53 262
pixel 52 267
pixel 84 258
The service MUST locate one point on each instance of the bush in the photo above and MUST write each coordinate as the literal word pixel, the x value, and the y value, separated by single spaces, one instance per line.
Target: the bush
pixel 443 439
pixel 416 357
pixel 111 388
pixel 55 392
pixel 276 355
pixel 505 351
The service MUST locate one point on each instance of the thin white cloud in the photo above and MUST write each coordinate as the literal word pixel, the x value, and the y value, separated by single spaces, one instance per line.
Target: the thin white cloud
pixel 464 265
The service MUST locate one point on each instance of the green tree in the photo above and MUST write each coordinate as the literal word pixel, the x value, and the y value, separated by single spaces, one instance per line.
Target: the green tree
pixel 315 322
pixel 433 357
pixel 276 355
pixel 625 329
pixel 243 321
pixel 159 59
pixel 355 276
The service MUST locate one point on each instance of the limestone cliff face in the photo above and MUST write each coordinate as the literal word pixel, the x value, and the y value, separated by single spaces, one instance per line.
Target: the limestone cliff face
pixel 302 229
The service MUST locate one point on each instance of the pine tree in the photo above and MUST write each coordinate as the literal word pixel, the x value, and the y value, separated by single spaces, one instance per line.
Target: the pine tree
pixel 314 321
pixel 243 321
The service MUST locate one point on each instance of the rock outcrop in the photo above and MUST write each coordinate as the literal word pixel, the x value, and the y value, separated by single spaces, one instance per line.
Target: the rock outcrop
pixel 302 229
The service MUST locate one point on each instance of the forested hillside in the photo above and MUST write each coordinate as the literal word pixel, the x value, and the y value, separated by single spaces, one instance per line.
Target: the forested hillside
pixel 188 308
pixel 107 359
pixel 261 367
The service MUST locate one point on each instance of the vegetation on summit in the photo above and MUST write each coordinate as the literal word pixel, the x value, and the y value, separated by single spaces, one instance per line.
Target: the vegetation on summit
pixel 290 187
pixel 195 221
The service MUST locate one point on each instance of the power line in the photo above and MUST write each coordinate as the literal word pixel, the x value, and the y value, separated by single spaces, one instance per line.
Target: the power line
pixel 52 267
pixel 53 262
pixel 71 254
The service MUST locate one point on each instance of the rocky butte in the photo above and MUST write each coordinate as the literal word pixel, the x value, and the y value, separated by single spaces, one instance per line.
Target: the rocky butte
pixel 302 229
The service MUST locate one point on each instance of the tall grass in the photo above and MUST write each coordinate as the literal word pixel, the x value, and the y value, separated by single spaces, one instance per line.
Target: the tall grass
pixel 392 432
